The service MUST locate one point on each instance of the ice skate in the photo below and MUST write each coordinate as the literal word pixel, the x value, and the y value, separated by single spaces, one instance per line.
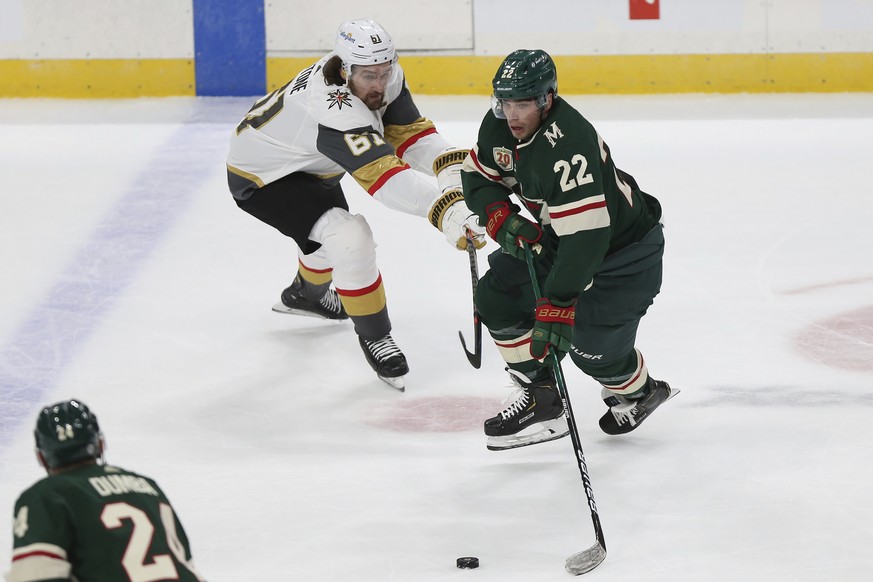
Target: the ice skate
pixel 535 415
pixel 293 302
pixel 387 360
pixel 625 414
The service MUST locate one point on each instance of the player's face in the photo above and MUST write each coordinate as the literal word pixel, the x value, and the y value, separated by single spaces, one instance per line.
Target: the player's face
pixel 523 116
pixel 368 83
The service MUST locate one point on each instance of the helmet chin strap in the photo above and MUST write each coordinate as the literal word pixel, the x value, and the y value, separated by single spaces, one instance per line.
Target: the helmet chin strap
pixel 544 112
pixel 42 462
pixel 550 100
pixel 101 458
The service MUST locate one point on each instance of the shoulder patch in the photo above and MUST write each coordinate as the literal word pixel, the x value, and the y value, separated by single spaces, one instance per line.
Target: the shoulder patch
pixel 339 98
pixel 503 158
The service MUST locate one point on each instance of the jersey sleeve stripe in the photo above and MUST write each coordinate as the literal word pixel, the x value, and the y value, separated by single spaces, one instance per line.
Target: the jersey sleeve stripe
pixel 588 214
pixel 477 166
pixel 402 135
pixel 39 562
pixel 373 176
pixel 384 178
pixel 409 142
pixel 577 207
pixel 49 550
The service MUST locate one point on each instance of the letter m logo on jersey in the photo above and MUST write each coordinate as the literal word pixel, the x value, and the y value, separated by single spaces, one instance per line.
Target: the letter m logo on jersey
pixel 553 133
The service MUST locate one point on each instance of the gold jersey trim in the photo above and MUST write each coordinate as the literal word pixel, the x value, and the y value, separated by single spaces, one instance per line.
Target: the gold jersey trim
pixel 371 176
pixel 247 175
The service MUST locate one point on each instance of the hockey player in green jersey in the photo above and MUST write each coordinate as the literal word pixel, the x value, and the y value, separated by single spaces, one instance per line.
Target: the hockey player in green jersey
pixel 92 522
pixel 597 242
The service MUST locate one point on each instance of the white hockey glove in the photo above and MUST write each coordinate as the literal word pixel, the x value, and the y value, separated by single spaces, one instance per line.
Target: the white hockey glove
pixel 449 212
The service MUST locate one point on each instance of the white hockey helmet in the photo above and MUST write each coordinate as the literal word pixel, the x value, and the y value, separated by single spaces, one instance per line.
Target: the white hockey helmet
pixel 363 41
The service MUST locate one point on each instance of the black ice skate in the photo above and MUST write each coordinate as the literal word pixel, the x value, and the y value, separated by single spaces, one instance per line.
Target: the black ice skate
pixel 625 414
pixel 293 301
pixel 387 360
pixel 536 415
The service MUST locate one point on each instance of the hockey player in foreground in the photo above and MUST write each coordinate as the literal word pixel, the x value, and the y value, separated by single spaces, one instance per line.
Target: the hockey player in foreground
pixel 89 521
pixel 598 245
pixel 349 112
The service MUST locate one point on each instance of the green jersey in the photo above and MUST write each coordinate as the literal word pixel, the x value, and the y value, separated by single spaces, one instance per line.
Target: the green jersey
pixel 98 523
pixel 565 176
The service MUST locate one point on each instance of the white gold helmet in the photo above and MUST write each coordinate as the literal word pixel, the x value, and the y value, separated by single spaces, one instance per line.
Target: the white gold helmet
pixel 363 42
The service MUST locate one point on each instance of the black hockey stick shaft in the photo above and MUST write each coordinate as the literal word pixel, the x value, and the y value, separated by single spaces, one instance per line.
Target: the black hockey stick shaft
pixel 474 357
pixel 589 559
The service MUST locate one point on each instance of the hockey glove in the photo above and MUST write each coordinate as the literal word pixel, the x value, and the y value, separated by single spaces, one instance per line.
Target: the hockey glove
pixel 509 229
pixel 450 214
pixel 553 327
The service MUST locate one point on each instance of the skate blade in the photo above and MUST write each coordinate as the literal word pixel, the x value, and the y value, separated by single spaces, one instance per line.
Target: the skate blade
pixel 633 427
pixel 551 430
pixel 282 308
pixel 398 382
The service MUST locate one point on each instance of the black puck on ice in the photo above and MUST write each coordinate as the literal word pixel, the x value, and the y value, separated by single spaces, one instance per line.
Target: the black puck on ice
pixel 467 563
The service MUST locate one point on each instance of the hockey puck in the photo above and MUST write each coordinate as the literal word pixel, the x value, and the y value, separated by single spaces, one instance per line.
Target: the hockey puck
pixel 467 563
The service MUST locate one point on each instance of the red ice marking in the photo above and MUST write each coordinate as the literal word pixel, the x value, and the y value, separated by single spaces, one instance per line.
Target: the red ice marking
pixel 645 9
pixel 827 285
pixel 434 414
pixel 844 341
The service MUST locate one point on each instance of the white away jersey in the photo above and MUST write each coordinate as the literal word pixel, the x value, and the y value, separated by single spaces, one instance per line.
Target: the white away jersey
pixel 324 130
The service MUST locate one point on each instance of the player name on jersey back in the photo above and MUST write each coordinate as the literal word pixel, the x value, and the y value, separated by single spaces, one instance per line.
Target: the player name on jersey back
pixel 120 484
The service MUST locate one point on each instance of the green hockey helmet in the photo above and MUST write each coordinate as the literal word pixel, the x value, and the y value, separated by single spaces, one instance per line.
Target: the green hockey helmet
pixel 524 74
pixel 66 433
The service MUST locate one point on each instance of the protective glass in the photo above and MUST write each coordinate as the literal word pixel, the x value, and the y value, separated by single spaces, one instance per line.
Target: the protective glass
pixel 497 104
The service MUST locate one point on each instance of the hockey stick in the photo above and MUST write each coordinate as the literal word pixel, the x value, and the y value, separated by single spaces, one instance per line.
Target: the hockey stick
pixel 586 560
pixel 475 358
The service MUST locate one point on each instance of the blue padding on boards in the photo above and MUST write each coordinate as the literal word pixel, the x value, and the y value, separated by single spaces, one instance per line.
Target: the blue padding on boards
pixel 230 47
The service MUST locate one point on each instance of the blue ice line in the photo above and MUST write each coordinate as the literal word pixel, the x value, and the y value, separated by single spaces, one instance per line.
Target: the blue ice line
pixel 49 338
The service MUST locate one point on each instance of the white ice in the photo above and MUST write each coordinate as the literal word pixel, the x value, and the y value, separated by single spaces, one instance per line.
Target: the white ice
pixel 131 280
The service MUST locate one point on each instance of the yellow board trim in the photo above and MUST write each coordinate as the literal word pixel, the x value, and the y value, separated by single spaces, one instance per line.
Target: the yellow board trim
pixel 628 74
pixel 97 78
pixel 469 75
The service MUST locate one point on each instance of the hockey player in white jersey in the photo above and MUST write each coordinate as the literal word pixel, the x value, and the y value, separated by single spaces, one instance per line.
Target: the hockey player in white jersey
pixel 350 112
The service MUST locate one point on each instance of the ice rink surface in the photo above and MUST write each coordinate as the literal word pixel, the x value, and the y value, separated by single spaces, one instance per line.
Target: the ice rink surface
pixel 131 280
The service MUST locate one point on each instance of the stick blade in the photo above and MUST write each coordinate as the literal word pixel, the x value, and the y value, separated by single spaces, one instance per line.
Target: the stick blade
pixel 586 560
pixel 475 358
